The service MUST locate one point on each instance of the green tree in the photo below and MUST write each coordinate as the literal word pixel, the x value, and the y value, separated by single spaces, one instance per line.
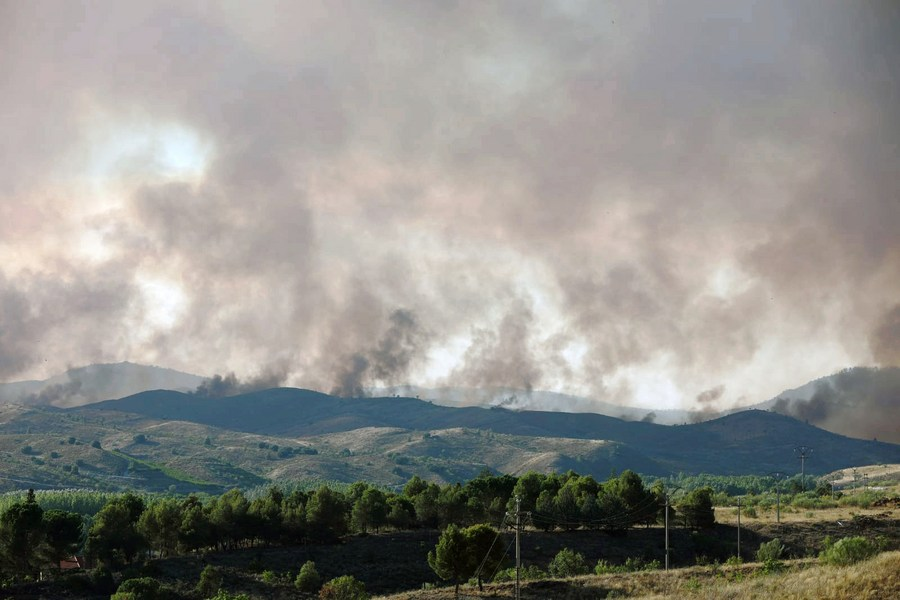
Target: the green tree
pixel 426 504
pixel 345 587
pixel 113 537
pixel 229 517
pixel 401 512
pixel 450 559
pixel 62 535
pixel 527 488
pixel 293 517
pixel 369 510
pixel 326 514
pixel 568 563
pixel 21 534
pixel 697 509
pixel 308 579
pixel 160 525
pixel 266 512
pixel 195 530
pixel 483 549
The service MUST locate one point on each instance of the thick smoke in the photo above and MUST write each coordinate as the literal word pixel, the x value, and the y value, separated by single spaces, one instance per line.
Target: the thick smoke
pixel 59 394
pixel 708 402
pixel 388 362
pixel 856 402
pixel 219 386
pixel 575 196
pixel 885 339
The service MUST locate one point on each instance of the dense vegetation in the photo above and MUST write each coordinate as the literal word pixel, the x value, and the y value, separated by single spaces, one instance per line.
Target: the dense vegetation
pixel 128 526
pixel 117 531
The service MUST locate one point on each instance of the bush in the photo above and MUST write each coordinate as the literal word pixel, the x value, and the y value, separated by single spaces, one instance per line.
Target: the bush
pixel 528 573
pixel 345 587
pixel 849 550
pixel 568 563
pixel 223 595
pixel 102 580
pixel 769 551
pixel 142 588
pixel 269 576
pixel 95 444
pixel 308 579
pixel 210 581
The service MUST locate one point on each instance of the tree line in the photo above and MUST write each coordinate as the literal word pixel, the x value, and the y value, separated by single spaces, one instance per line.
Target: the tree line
pixel 129 527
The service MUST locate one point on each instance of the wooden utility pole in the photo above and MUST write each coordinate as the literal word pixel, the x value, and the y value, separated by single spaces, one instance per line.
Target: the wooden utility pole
pixel 518 555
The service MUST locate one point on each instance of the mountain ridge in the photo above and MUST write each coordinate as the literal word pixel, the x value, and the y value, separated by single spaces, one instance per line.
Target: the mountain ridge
pixel 732 443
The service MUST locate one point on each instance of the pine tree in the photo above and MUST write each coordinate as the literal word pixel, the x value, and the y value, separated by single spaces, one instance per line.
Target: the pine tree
pixel 450 559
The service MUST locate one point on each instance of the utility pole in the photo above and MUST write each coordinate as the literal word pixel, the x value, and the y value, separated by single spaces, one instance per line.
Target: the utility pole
pixel 518 556
pixel 803 453
pixel 778 476
pixel 739 528
pixel 518 552
pixel 667 531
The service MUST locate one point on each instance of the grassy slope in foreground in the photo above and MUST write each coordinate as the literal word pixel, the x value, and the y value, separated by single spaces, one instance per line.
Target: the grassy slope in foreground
pixel 875 579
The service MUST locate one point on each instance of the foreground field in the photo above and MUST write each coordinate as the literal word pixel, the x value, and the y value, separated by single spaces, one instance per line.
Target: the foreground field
pixel 875 579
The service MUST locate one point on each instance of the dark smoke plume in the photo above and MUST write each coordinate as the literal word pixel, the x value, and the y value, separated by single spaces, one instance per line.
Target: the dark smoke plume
pixel 388 362
pixel 858 402
pixel 60 394
pixel 709 404
pixel 219 386
pixel 580 196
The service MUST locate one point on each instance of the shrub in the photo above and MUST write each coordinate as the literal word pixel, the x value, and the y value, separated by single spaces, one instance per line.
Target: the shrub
pixel 102 580
pixel 308 579
pixel 568 563
pixel 223 595
pixel 269 576
pixel 345 587
pixel 95 444
pixel 769 551
pixel 849 550
pixel 142 588
pixel 528 573
pixel 210 581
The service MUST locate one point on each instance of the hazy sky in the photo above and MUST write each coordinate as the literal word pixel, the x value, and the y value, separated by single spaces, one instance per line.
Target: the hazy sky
pixel 663 204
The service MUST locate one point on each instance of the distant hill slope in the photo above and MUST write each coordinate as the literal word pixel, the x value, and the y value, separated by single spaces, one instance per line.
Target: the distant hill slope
pixel 860 402
pixel 93 383
pixel 746 442
pixel 516 399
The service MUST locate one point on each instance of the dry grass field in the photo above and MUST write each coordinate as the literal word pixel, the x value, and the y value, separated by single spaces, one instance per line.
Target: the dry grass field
pixel 875 579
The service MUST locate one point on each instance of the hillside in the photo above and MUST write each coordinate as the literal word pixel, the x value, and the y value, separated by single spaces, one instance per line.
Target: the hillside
pixel 163 440
pixel 93 383
pixel 750 441
pixel 860 402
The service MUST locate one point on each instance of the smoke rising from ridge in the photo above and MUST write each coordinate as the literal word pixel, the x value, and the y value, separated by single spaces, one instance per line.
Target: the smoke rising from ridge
pixel 857 402
pixel 635 202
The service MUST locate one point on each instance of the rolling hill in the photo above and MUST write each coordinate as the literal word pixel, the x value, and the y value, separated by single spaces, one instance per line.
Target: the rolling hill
pixel 169 440
pixel 749 441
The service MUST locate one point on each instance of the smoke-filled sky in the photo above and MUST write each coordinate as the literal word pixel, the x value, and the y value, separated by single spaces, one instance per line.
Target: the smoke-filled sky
pixel 668 205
